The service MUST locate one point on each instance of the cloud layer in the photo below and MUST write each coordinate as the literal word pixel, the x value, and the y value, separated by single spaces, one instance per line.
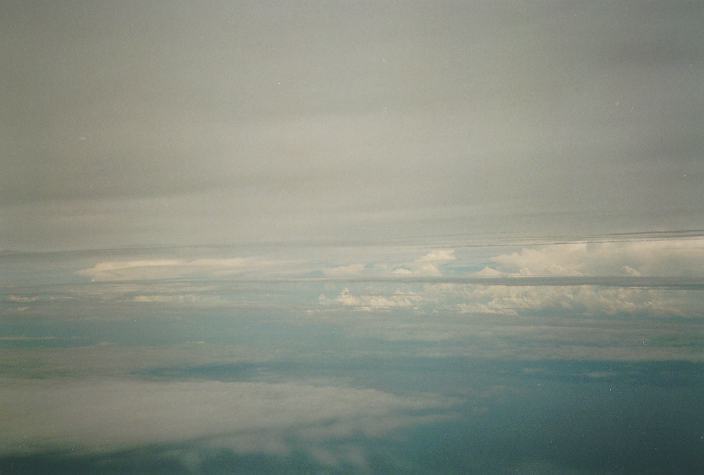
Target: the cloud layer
pixel 174 268
pixel 109 415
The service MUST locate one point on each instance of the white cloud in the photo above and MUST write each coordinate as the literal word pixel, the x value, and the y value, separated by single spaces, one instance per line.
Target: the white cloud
pixel 582 300
pixel 669 257
pixel 343 271
pixel 21 298
pixel 165 299
pixel 367 302
pixel 170 268
pixel 490 272
pixel 427 265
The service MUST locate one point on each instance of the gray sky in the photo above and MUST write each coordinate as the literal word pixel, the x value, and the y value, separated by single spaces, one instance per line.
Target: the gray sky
pixel 303 237
pixel 141 123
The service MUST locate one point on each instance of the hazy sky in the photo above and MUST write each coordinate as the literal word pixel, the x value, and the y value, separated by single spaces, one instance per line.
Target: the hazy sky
pixel 346 237
pixel 133 123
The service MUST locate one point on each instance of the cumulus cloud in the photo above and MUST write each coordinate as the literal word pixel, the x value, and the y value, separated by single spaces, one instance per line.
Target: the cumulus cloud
pixel 110 415
pixel 668 257
pixel 369 302
pixel 427 265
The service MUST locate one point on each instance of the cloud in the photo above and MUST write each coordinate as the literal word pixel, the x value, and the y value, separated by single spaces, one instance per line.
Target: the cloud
pixel 662 258
pixel 180 299
pixel 27 338
pixel 171 268
pixel 367 302
pixel 21 298
pixel 427 265
pixel 343 271
pixel 490 272
pixel 110 415
pixel 579 300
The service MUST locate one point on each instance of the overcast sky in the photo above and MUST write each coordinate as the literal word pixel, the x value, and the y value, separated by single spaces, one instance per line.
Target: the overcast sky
pixel 347 237
pixel 168 122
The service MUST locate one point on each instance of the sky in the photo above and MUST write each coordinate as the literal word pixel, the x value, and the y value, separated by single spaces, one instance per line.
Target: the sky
pixel 137 123
pixel 351 237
